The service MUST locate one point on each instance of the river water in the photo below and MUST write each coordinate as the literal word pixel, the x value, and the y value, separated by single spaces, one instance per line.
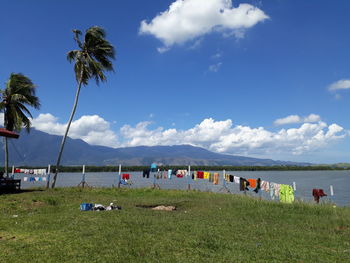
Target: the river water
pixel 305 182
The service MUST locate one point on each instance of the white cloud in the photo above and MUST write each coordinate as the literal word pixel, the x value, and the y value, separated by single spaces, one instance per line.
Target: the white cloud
pixel 186 20
pixel 312 118
pixel 215 67
pixel 217 136
pixel 339 85
pixel 288 120
pixel 91 128
pixel 292 119
pixel 222 136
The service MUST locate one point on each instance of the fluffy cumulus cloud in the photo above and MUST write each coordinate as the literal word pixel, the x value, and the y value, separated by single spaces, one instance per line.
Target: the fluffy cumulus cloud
pixel 222 136
pixel 340 85
pixel 217 136
pixel 187 20
pixel 92 129
pixel 292 119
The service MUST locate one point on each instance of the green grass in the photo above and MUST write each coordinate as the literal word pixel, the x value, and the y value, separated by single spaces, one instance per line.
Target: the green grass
pixel 47 226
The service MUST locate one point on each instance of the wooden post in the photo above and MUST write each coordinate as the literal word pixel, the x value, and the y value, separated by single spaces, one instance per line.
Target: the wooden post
pixel 331 190
pixel 48 176
pixel 119 175
pixel 83 181
pixel 224 181
pixel 189 177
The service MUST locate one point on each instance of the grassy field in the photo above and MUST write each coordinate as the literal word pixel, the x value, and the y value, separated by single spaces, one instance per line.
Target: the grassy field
pixel 47 226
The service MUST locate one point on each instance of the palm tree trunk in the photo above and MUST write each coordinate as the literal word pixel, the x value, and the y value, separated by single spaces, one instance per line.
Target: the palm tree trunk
pixel 6 157
pixel 66 133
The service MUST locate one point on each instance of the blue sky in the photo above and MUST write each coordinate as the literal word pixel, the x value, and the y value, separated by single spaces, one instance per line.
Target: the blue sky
pixel 267 79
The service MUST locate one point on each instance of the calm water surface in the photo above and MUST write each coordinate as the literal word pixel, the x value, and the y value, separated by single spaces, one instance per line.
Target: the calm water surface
pixel 305 182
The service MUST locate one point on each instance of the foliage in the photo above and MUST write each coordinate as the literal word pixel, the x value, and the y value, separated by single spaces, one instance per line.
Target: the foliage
pixel 91 61
pixel 19 93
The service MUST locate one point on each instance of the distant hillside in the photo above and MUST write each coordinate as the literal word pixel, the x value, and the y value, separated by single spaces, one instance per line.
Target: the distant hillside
pixel 39 148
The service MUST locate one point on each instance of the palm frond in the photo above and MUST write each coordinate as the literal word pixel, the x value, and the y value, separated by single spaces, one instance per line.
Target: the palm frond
pixel 20 91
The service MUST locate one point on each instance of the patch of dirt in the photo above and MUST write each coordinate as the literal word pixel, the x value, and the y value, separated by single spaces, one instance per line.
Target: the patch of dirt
pixel 341 228
pixel 158 207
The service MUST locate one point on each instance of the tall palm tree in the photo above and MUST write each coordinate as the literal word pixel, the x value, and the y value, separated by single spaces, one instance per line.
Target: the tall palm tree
pixel 19 93
pixel 91 60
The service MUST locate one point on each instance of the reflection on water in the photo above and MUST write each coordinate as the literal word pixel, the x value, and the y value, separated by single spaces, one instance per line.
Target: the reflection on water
pixel 305 182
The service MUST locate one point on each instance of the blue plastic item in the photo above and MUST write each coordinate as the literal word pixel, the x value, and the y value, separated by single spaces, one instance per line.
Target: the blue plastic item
pixel 86 207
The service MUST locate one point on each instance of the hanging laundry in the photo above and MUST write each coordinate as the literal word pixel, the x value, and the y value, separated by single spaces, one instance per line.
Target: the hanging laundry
pixel 243 184
pixel 265 186
pixel 277 190
pixel 236 179
pixel 206 175
pixel 252 183
pixel 195 175
pixel 146 172
pixel 258 185
pixel 17 170
pixel 211 178
pixel 181 173
pixel 317 194
pixel 272 190
pixel 216 178
pixel 25 179
pixel 125 176
pixel 200 175
pixel 31 179
pixel 227 177
pixel 231 178
pixel 165 174
pixel 286 193
pixel 170 172
pixel 124 181
pixel 153 167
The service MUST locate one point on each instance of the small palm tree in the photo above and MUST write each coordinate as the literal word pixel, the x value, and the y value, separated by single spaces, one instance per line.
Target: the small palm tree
pixel 91 60
pixel 19 93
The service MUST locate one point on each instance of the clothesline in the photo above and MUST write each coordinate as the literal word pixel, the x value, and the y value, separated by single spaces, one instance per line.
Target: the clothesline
pixel 283 192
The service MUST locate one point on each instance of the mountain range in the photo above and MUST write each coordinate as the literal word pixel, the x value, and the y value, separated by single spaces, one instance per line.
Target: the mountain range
pixel 40 149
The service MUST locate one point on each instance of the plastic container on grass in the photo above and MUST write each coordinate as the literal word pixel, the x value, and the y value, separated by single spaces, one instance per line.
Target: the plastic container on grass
pixel 86 207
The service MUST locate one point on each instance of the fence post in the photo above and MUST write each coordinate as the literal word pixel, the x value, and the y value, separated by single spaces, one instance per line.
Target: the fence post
pixel 83 181
pixel 331 190
pixel 189 177
pixel 119 175
pixel 224 181
pixel 48 176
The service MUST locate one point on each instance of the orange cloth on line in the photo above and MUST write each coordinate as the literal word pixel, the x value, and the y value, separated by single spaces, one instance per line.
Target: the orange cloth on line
pixel 216 178
pixel 252 183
